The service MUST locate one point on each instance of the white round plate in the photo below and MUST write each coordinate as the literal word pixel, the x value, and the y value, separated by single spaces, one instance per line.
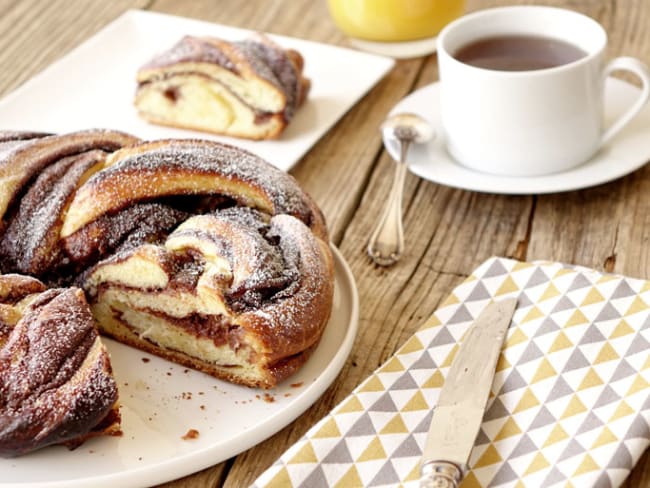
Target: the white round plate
pixel 161 402
pixel 399 50
pixel 626 152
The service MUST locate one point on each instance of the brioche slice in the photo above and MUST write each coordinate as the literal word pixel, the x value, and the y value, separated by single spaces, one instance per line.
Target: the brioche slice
pixel 236 294
pixel 249 89
pixel 56 382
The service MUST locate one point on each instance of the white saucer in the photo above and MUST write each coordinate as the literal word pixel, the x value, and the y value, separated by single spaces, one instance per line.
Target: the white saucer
pixel 626 152
pixel 399 50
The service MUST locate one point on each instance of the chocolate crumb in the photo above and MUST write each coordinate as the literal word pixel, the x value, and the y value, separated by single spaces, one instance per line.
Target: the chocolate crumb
pixel 296 385
pixel 268 398
pixel 191 434
pixel 145 360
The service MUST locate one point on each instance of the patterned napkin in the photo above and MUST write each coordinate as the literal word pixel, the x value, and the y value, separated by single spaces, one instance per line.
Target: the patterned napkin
pixel 570 403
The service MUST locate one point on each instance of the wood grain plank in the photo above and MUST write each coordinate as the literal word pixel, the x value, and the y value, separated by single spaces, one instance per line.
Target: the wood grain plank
pixel 34 33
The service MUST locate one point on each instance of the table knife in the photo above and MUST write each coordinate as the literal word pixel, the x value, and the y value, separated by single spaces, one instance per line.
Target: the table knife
pixel 459 411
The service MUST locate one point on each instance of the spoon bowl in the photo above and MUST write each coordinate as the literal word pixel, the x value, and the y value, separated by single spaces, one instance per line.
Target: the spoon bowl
pixel 386 243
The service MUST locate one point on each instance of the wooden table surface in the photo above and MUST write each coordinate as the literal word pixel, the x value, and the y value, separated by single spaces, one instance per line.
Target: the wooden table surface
pixel 448 231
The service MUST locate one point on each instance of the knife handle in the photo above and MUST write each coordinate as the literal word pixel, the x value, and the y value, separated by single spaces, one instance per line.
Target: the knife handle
pixel 440 474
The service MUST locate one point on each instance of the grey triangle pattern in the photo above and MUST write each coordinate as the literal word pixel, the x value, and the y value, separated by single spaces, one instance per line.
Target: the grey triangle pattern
pixel 563 304
pixel 424 424
pixel 638 430
pixel 646 404
pixel 543 418
pixel 537 278
pixel 623 370
pixel 546 327
pixel 478 293
pixel 523 300
pixel 363 426
pixel 385 476
pixel 531 353
pixel 603 481
pixel 496 269
pixel 513 382
pixel 554 476
pixel 606 397
pixel 442 338
pixel 646 323
pixel 591 335
pixel 623 290
pixel 316 479
pixel 424 362
pixel 573 449
pixel 504 475
pixel 590 423
pixel 524 446
pixel 408 448
pixel 576 361
pixel 405 382
pixel 621 458
pixel 579 282
pixel 461 315
pixel 339 454
pixel 639 344
pixel 560 389
pixel 481 438
pixel 384 404
pixel 607 313
pixel 496 411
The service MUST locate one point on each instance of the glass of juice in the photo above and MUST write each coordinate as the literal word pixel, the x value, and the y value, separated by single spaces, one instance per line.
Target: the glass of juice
pixel 407 26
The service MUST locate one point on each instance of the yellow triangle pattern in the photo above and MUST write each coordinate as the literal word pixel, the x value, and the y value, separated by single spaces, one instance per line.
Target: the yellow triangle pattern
pixel 623 410
pixel 594 296
pixel 557 434
pixel 434 321
pixel 544 371
pixel 490 456
pixel 417 402
pixel 372 384
pixel 520 484
pixel 560 342
pixel 605 437
pixel 646 365
pixel 587 465
pixel 574 407
pixel 517 337
pixel 414 474
pixel 470 481
pixel 412 345
pixel 550 292
pixel 639 384
pixel 539 462
pixel 590 380
pixel 508 286
pixel 394 365
pixel 519 265
pixel 562 272
pixel 329 429
pixel 349 479
pixel 374 451
pixel 450 357
pixel 280 480
pixel 577 318
pixel 435 381
pixel 395 426
pixel 502 363
pixel 622 329
pixel 509 429
pixel 533 313
pixel 637 305
pixel 352 405
pixel 607 353
pixel 528 400
pixel 305 455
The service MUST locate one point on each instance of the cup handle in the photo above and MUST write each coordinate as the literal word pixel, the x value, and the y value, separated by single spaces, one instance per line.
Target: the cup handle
pixel 643 73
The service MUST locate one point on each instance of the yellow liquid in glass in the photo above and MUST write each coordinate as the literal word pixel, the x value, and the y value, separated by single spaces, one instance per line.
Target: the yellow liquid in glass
pixel 394 20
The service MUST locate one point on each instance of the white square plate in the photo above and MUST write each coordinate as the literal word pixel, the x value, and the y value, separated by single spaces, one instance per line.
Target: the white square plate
pixel 93 85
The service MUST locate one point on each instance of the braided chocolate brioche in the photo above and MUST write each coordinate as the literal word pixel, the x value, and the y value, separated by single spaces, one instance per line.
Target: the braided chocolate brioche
pixel 56 383
pixel 248 89
pixel 196 251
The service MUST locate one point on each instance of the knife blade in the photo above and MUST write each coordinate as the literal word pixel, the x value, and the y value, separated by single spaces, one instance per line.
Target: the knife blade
pixel 459 411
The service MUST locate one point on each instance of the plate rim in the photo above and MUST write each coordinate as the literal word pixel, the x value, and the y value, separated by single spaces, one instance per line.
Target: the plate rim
pixel 185 464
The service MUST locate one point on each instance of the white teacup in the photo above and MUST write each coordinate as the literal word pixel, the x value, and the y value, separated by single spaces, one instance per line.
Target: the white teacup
pixel 527 123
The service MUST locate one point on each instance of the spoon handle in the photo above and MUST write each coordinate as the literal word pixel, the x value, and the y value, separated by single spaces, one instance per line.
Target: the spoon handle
pixel 386 243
